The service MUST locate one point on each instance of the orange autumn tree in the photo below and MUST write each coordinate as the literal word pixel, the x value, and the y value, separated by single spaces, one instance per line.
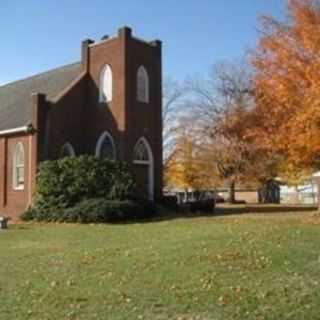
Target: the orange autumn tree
pixel 185 169
pixel 212 146
pixel 181 168
pixel 222 107
pixel 287 85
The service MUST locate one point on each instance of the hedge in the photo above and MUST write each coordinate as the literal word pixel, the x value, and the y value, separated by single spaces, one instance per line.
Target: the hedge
pixel 85 189
pixel 95 211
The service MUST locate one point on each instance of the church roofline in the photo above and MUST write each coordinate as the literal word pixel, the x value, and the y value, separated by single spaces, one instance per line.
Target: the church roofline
pixel 24 129
pixel 124 31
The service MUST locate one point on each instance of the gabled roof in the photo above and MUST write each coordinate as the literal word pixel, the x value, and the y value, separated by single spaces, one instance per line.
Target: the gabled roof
pixel 15 98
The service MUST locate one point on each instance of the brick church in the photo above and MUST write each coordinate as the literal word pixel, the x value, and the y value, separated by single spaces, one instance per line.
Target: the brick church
pixel 107 105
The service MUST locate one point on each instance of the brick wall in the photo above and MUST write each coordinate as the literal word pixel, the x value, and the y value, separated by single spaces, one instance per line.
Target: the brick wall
pixel 14 202
pixel 66 121
pixel 80 119
pixel 76 116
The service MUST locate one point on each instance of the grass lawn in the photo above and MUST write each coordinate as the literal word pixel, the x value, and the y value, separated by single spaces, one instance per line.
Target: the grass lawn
pixel 239 266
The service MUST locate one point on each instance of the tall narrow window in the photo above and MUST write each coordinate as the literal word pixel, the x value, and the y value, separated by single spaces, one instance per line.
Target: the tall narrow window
pixel 143 157
pixel 105 148
pixel 141 152
pixel 142 85
pixel 18 167
pixel 106 84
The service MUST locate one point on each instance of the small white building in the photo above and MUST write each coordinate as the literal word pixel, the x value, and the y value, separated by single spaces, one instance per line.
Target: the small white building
pixel 301 194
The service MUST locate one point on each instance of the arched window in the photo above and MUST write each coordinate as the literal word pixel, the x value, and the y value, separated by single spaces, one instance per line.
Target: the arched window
pixel 105 148
pixel 142 85
pixel 142 156
pixel 141 152
pixel 105 84
pixel 18 167
pixel 67 151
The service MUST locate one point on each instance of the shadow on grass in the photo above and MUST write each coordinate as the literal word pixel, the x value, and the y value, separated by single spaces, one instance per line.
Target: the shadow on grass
pixel 221 210
pixel 19 226
pixel 229 210
pixel 264 209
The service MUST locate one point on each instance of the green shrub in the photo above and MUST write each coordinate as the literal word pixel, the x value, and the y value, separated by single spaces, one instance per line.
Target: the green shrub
pixel 47 215
pixel 29 214
pixel 170 202
pixel 85 189
pixel 202 206
pixel 97 210
pixel 65 182
pixel 101 210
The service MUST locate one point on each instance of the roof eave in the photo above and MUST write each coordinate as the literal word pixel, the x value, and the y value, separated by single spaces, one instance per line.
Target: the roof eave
pixel 24 129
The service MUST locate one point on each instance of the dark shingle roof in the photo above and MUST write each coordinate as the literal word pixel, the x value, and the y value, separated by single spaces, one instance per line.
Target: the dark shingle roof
pixel 15 98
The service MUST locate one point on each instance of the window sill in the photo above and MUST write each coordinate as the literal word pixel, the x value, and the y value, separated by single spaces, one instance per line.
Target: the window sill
pixel 141 162
pixel 145 102
pixel 18 188
pixel 104 101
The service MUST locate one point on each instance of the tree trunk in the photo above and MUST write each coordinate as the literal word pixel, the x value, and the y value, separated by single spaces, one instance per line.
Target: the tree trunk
pixel 232 196
pixel 296 199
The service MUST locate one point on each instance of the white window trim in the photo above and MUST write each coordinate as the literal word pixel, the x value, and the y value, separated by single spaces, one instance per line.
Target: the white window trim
pixel 102 91
pixel 142 70
pixel 15 183
pixel 70 149
pixel 103 136
pixel 149 163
